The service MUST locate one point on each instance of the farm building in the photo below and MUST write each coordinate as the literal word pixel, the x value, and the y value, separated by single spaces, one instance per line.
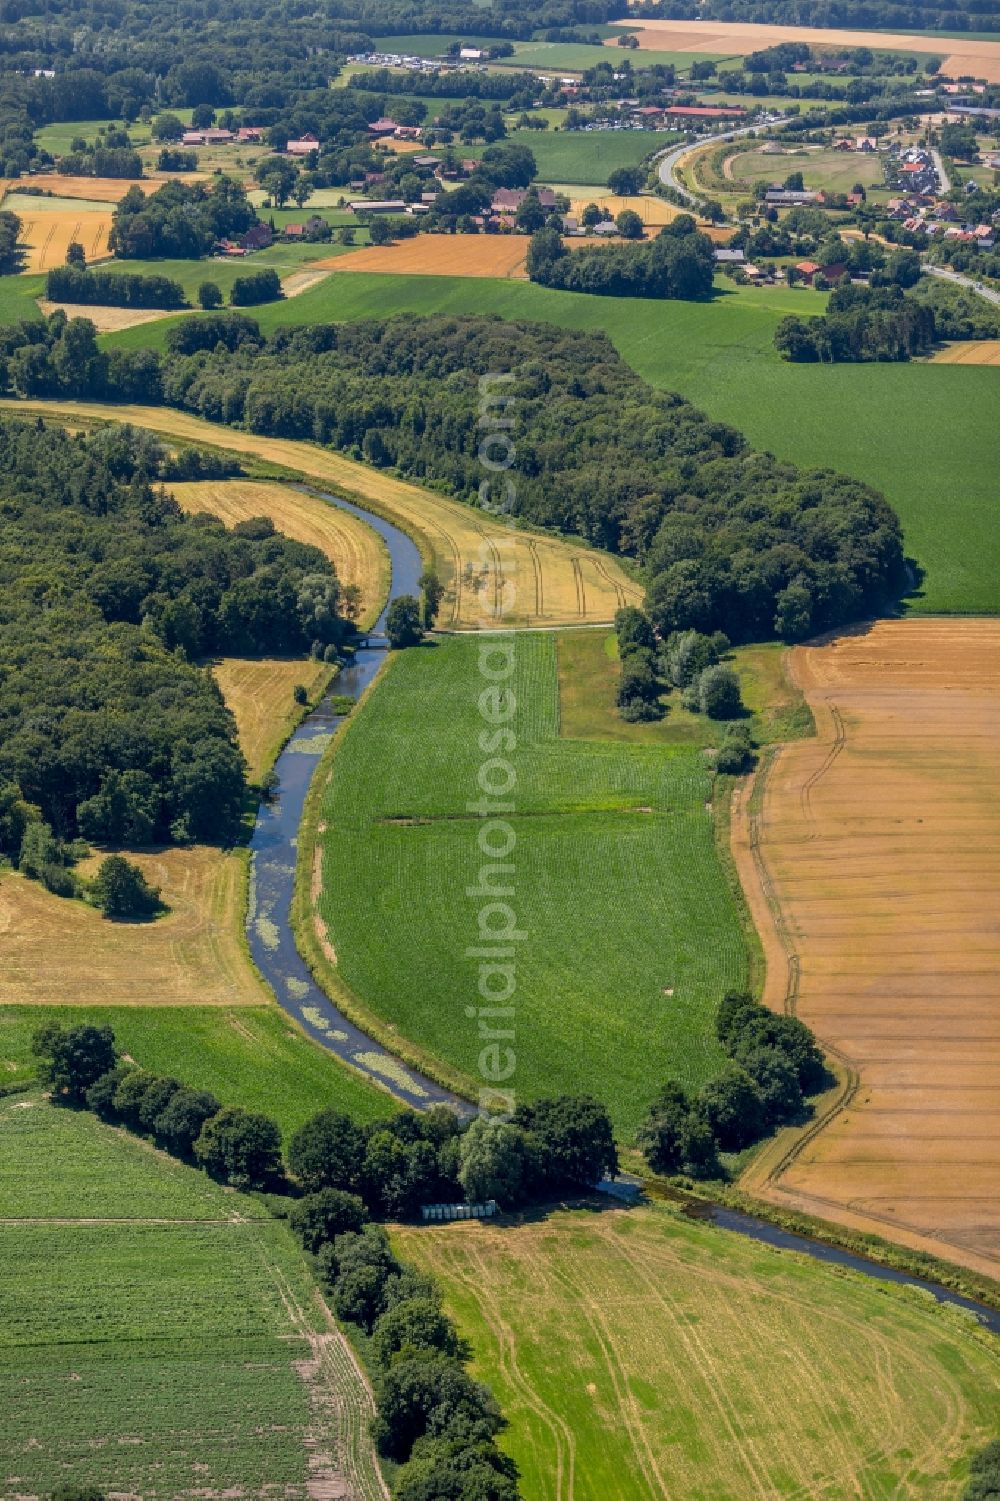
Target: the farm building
pixel 377 206
pixel 302 147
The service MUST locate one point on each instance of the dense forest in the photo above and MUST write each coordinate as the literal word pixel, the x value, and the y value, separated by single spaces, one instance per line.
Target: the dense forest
pixel 679 262
pixel 861 325
pixel 182 220
pixel 730 539
pixel 109 596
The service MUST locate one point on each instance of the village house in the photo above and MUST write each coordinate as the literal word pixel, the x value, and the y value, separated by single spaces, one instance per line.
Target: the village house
pixel 303 147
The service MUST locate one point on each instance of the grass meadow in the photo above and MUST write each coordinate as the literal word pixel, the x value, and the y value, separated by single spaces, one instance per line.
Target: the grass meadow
pixel 248 1056
pixel 872 421
pixel 637 1354
pixel 166 1357
pixel 578 156
pixel 632 933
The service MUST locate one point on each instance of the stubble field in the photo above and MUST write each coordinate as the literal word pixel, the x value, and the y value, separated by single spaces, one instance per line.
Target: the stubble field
pixel 491 572
pixel 878 845
pixel 182 1349
pixel 357 552
pixel 639 1355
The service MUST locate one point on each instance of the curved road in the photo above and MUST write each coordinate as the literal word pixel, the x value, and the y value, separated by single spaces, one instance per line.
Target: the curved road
pixel 670 158
pixel 947 274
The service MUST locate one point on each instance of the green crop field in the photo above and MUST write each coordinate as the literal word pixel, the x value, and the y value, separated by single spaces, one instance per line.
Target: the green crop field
pixel 252 1056
pixel 631 931
pixel 588 156
pixel 17 298
pixel 862 419
pixel 59 137
pixel 639 1355
pixel 154 1327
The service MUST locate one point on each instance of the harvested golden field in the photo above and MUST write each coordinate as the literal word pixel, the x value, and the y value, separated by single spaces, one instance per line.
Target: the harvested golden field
pixel 107 320
pixel 652 211
pixel 357 552
pixel 109 189
pixel 871 857
pixel 638 1355
pixel 737 38
pixel 61 952
pixel 970 352
pixel 258 691
pixel 491 572
pixel 440 255
pixel 45 236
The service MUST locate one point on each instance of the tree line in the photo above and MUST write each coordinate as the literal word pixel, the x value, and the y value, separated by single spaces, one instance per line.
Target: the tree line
pixel 113 289
pixel 862 325
pixel 728 539
pixel 111 597
pixel 679 263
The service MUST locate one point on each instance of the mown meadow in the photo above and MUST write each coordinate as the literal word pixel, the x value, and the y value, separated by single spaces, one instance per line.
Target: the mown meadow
pixel 637 1354
pixel 632 932
pixel 150 1323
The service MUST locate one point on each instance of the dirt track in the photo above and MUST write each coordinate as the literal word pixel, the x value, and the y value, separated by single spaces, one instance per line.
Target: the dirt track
pixel 872 863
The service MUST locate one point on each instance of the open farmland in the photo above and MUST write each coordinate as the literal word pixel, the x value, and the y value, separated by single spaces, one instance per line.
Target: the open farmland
pixel 875 886
pixel 834 171
pixel 961 57
pixel 60 950
pixel 46 235
pixel 720 354
pixel 971 352
pixel 251 1056
pixel 637 1354
pixel 356 551
pixel 441 255
pixel 487 568
pixel 182 1349
pixel 568 156
pixel 632 934
pixel 259 692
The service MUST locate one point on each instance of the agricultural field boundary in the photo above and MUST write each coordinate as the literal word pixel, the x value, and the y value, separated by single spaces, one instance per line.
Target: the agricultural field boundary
pixel 786 1172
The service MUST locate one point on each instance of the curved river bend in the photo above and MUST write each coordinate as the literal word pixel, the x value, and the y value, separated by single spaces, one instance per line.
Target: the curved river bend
pixel 272 879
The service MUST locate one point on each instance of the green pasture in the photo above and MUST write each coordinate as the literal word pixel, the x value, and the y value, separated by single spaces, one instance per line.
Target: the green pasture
pixel 285 259
pixel 248 1056
pixel 640 1355
pixel 631 932
pixel 577 57
pixel 150 1323
pixel 58 137
pixel 17 298
pixel 588 156
pixel 922 433
pixel 836 171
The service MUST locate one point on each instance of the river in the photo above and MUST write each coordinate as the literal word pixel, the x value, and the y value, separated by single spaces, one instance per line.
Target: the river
pixel 273 856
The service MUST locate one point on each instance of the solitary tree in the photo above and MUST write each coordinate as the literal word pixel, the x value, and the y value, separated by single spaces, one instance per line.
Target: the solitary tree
pixel 76 255
pixel 626 181
pixel 629 225
pixel 431 592
pixel 209 295
pixel 120 889
pixel 402 622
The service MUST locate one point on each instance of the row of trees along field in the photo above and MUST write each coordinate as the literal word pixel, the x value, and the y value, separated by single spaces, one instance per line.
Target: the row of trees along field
pixel 679 262
pixel 340 1178
pixel 728 539
pixel 109 597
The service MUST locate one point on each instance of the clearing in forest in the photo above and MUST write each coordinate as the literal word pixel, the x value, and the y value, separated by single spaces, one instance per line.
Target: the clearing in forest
pixel 637 1355
pixel 182 1349
pixel 356 551
pixel 491 572
pixel 871 856
pixel 631 930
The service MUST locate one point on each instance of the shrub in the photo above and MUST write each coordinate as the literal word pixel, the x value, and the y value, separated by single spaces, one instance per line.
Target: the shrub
pixel 719 693
pixel 735 754
pixel 209 296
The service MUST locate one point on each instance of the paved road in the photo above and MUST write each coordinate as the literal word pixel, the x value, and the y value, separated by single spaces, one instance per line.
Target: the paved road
pixel 669 159
pixel 964 281
pixel 943 177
